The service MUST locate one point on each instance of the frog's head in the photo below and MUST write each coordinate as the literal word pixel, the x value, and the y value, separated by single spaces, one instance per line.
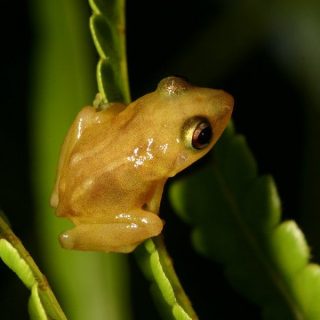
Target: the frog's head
pixel 196 118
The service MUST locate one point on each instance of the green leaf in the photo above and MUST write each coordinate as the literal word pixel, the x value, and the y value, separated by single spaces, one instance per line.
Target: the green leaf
pixel 236 218
pixel 36 309
pixel 166 288
pixel 12 259
pixel 107 26
pixel 42 303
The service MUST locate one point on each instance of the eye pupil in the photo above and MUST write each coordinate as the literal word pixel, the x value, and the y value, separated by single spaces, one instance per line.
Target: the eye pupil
pixel 202 135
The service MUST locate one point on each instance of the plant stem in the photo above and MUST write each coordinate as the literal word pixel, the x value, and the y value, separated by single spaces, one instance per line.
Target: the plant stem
pixel 122 48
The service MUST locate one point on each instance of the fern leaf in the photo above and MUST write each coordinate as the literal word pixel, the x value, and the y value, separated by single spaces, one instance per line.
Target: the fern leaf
pixel 166 288
pixel 107 25
pixel 42 303
pixel 236 217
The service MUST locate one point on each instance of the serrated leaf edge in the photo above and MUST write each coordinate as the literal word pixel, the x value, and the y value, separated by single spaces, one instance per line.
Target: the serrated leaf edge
pixel 161 277
pixel 16 257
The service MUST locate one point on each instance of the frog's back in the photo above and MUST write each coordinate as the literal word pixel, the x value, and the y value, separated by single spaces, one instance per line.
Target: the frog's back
pixel 87 135
pixel 94 177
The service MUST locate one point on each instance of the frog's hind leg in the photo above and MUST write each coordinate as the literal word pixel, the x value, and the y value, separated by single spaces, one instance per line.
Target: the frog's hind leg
pixel 119 235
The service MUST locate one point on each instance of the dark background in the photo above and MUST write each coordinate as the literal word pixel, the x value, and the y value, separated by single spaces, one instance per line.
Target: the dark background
pixel 272 77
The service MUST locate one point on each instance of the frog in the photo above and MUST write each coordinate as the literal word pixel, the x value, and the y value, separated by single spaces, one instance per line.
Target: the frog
pixel 116 159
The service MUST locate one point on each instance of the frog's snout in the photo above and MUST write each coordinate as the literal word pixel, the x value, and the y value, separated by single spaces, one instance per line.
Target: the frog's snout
pixel 221 112
pixel 173 85
pixel 224 103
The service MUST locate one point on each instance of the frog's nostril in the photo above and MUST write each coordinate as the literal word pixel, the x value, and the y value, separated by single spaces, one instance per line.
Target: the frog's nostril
pixel 173 85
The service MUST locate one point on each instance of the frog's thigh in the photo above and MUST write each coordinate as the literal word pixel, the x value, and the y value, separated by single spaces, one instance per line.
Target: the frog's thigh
pixel 121 236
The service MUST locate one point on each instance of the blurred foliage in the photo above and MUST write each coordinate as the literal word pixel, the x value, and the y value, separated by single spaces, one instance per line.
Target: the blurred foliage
pixel 236 220
pixel 264 53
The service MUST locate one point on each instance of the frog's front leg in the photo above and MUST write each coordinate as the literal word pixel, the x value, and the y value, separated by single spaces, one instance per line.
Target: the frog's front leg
pixel 121 233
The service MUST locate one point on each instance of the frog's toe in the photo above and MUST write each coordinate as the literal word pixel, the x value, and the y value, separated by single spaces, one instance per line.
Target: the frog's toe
pixel 66 241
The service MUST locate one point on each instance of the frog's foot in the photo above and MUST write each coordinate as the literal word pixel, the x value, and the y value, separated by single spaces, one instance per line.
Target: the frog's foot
pixel 123 236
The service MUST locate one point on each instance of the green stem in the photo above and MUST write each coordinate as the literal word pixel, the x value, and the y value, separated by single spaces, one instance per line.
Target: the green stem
pixel 123 52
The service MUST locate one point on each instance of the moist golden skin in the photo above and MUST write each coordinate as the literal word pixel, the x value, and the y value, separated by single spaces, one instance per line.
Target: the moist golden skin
pixel 114 162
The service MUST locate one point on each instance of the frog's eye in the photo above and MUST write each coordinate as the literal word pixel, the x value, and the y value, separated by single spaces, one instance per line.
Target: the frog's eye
pixel 202 135
pixel 197 133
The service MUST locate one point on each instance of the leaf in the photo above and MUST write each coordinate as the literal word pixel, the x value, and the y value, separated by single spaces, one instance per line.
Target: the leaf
pixel 236 218
pixel 166 288
pixel 42 303
pixel 12 259
pixel 36 309
pixel 107 25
